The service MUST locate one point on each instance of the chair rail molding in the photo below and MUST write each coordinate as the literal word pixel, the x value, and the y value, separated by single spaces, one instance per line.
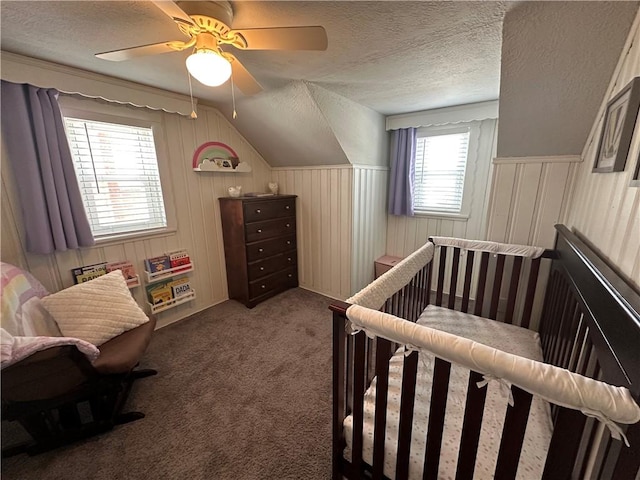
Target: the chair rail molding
pixel 546 159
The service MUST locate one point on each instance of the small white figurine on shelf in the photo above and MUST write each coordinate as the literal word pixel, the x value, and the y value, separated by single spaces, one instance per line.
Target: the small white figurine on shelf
pixel 273 187
pixel 235 191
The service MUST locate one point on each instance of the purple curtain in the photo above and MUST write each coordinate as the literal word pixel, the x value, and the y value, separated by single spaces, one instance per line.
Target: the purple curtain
pixel 403 162
pixel 38 151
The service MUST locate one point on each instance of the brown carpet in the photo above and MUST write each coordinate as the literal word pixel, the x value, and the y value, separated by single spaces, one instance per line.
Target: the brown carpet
pixel 240 394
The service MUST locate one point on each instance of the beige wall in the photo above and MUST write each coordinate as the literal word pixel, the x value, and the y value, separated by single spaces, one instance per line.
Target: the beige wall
pixel 604 209
pixel 324 220
pixel 195 197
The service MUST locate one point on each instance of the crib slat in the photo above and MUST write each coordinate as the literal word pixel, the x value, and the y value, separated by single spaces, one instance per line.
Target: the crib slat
pixel 497 284
pixel 383 352
pixel 467 282
pixel 440 389
pixel 429 272
pixel 563 312
pixel 546 320
pixel 338 392
pixel 441 269
pixel 515 424
pixel 513 289
pixel 454 278
pixel 409 371
pixel 531 290
pixel 482 281
pixel 358 394
pixel 565 443
pixel 629 460
pixel 569 333
pixel 471 426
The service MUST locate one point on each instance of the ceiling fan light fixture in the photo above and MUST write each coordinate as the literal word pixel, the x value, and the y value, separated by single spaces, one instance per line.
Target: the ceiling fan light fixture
pixel 209 67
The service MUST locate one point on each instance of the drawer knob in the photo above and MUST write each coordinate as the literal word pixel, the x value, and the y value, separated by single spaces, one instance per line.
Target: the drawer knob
pixel 259 230
pixel 287 207
pixel 258 211
pixel 289 259
pixel 261 269
pixel 288 225
pixel 263 286
pixel 288 242
pixel 261 250
pixel 290 275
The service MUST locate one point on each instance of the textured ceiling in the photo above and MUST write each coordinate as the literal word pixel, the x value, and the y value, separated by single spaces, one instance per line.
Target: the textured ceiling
pixel 391 56
pixel 385 57
pixel 557 60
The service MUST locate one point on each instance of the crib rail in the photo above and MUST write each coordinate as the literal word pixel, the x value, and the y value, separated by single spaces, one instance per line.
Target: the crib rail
pixel 592 329
pixel 358 359
pixel 590 325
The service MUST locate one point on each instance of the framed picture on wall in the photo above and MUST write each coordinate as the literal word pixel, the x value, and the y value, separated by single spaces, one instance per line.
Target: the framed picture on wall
pixel 617 130
pixel 635 178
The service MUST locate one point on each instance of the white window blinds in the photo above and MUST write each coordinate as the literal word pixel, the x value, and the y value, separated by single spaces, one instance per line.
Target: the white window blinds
pixel 441 159
pixel 117 170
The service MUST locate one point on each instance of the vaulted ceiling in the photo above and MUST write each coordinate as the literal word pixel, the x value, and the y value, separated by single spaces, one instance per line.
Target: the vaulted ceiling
pixel 384 57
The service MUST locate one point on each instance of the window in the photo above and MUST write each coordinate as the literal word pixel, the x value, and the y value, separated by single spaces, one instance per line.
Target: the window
pixel 441 160
pixel 117 171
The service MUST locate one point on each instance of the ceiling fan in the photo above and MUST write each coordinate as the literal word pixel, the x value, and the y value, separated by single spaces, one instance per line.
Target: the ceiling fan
pixel 207 26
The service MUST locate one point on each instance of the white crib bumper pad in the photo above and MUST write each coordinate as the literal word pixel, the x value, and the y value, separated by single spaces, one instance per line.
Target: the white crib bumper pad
pixel 491 247
pixel 594 398
pixel 377 292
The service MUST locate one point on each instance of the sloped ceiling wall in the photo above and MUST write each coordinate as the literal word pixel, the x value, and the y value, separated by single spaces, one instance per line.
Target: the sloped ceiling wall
pixel 301 124
pixel 557 59
pixel 359 130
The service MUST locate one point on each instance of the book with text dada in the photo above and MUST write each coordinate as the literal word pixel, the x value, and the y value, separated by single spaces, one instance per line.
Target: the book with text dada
pixel 88 272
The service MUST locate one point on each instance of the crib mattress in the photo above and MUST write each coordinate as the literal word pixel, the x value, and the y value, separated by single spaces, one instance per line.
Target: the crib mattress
pixel 509 338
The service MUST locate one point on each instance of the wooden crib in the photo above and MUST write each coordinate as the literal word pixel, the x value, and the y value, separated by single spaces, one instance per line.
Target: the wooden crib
pixel 588 318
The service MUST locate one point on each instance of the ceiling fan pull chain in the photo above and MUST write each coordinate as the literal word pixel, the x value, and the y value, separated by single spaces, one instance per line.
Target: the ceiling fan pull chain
pixel 233 98
pixel 193 115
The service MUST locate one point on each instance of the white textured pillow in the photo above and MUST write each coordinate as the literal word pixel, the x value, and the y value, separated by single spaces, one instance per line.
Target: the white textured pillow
pixel 97 310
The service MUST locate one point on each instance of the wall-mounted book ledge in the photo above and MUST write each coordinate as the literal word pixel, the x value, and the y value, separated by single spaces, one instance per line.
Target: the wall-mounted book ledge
pixel 161 307
pixel 165 274
pixel 163 290
pixel 89 272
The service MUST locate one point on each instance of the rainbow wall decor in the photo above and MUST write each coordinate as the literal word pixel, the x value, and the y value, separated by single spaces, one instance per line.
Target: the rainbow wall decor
pixel 218 157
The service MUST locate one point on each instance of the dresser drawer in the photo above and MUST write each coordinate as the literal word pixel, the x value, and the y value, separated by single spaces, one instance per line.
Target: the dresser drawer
pixel 270 228
pixel 267 248
pixel 269 209
pixel 281 280
pixel 262 268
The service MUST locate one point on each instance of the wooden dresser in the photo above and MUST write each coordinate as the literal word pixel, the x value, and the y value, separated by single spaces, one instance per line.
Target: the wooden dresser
pixel 259 246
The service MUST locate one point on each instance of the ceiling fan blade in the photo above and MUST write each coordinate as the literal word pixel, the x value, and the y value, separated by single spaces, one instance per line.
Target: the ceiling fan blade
pixel 285 38
pixel 133 52
pixel 242 78
pixel 174 11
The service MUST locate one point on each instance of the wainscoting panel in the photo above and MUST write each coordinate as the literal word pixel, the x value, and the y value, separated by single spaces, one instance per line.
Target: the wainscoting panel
pixel 198 217
pixel 528 196
pixel 604 209
pixel 324 221
pixel 526 201
pixel 369 222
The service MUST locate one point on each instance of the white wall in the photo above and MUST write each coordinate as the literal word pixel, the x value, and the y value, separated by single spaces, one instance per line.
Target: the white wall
pixel 325 223
pixel 528 195
pixel 604 209
pixel 369 237
pixel 199 227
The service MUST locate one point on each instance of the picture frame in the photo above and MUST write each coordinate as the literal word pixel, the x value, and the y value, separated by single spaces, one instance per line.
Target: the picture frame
pixel 635 177
pixel 617 129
